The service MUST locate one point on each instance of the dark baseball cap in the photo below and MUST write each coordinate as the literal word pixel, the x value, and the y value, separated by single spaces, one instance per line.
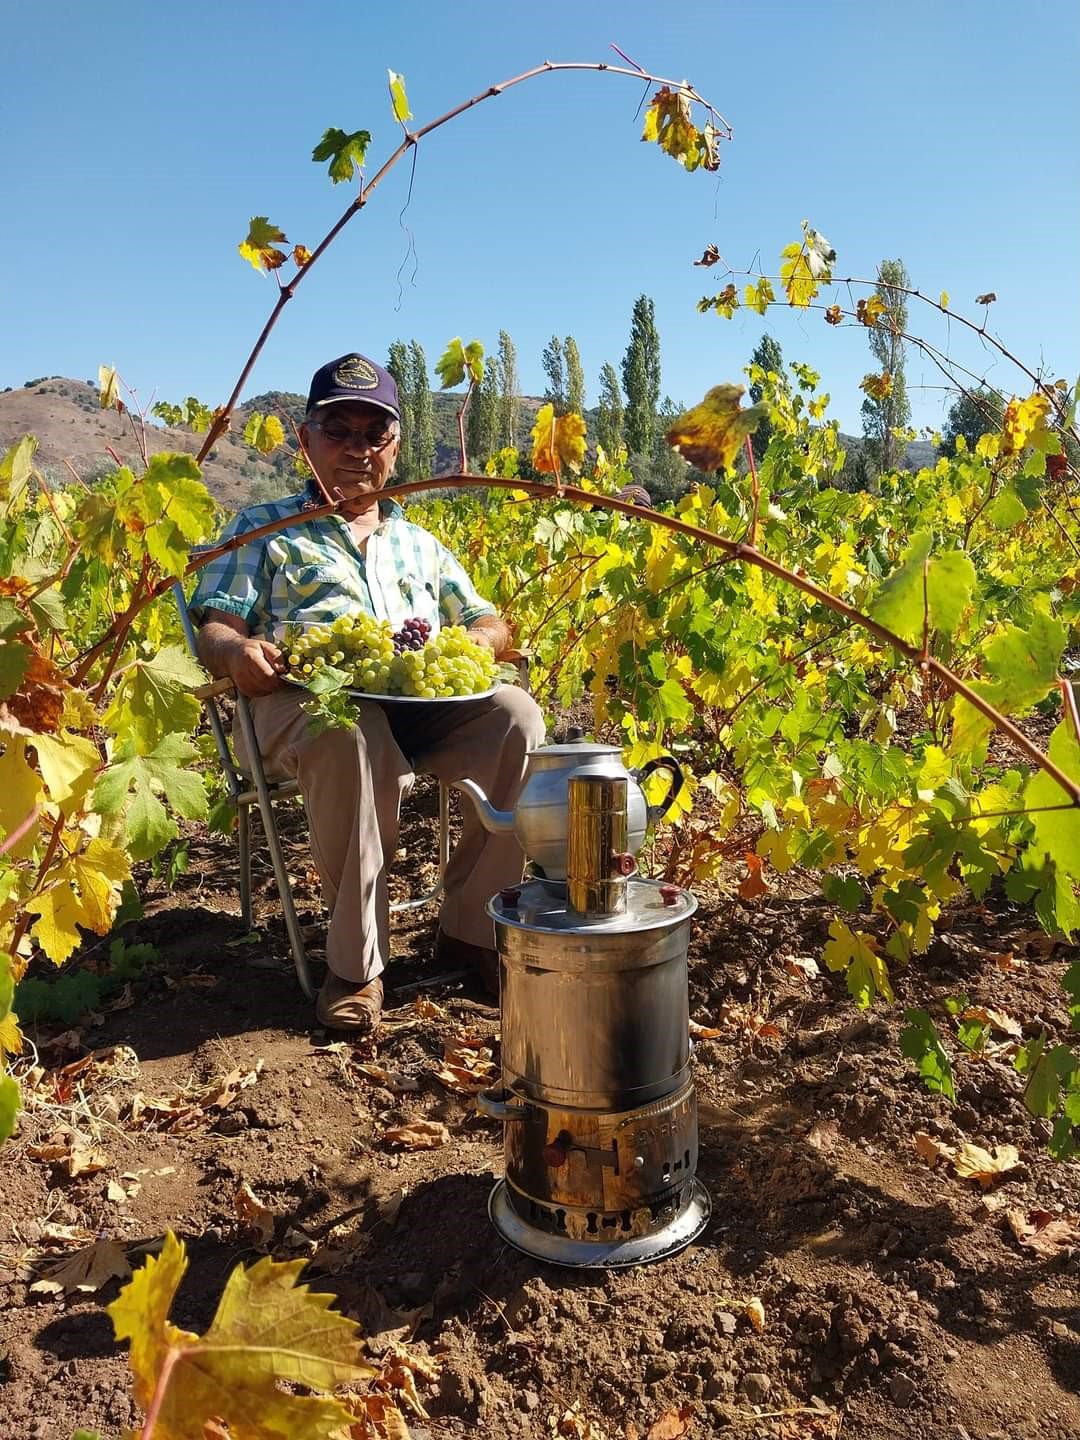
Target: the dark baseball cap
pixel 354 377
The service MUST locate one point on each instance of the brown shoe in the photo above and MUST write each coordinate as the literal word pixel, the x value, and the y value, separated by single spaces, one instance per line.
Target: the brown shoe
pixel 345 1005
pixel 460 955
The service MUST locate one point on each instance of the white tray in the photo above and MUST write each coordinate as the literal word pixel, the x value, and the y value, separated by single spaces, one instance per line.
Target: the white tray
pixel 406 699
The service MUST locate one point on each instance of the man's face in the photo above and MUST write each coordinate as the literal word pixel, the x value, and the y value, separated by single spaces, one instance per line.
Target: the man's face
pixel 343 441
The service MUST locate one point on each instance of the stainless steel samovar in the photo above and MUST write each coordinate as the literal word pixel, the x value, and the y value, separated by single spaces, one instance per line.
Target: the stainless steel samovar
pixel 600 1115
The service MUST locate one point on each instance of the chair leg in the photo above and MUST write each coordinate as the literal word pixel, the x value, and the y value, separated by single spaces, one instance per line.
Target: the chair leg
pixel 243 835
pixel 281 874
pixel 444 856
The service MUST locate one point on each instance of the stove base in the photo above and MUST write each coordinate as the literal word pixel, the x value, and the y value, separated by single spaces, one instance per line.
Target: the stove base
pixel 602 1254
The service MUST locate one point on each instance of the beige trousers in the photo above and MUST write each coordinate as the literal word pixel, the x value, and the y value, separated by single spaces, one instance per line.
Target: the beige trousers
pixel 353 781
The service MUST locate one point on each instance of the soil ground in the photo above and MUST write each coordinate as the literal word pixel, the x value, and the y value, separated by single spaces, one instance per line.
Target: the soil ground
pixel 897 1301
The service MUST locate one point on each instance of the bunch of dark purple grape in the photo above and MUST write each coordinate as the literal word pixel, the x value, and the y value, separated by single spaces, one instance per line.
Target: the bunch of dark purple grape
pixel 413 635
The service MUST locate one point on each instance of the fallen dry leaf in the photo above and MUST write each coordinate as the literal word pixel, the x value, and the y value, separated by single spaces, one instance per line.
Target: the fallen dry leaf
pixel 85 1271
pixel 428 1010
pixel 703 1032
pixel 972 1162
pixel 116 1193
pixel 377 1417
pixel 930 1150
pixel 998 1019
pixel 754 1311
pixel 753 885
pixel 419 1135
pixel 1043 1231
pixel 223 1092
pixel 1007 962
pixel 804 966
pixel 672 1424
pixel 391 1079
pixel 258 1218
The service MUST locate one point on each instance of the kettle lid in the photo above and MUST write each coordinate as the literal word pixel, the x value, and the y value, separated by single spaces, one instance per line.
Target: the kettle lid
pixel 577 747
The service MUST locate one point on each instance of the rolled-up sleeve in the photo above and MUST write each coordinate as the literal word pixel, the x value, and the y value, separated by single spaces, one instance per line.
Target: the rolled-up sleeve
pixel 460 603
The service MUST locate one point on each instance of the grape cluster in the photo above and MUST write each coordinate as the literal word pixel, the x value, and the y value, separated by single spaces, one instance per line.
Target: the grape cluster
pixel 413 635
pixel 367 651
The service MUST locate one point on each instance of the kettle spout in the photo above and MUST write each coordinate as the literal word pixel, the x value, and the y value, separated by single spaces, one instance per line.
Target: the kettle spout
pixel 499 822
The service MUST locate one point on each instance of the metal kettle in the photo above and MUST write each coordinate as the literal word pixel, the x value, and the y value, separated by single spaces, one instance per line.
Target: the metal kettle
pixel 540 821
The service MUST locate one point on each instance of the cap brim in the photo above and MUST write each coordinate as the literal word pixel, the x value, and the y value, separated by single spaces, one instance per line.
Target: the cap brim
pixel 356 400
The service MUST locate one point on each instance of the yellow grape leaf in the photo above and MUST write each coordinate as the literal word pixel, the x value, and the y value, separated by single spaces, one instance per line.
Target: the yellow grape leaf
pixel 805 267
pixel 58 911
pixel 259 247
pixel 944 301
pixel 878 387
pixel 557 440
pixel 100 871
pixel 853 952
pixel 20 791
pixel 68 764
pixel 301 254
pixel 669 123
pixel 264 432
pixel 1024 423
pixel 399 101
pixel 267 1329
pixel 108 388
pixel 774 846
pixel 710 435
pixel 972 1162
pixel 760 296
pixel 870 311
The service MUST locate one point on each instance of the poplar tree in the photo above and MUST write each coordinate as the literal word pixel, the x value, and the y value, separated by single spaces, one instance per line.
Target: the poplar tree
pixel 483 417
pixel 552 361
pixel 610 413
pixel 891 411
pixel 397 362
pixel 575 377
pixel 641 377
pixel 769 356
pixel 509 392
pixel 423 412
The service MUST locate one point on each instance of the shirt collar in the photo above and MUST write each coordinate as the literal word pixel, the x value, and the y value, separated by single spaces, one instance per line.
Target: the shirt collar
pixel 388 509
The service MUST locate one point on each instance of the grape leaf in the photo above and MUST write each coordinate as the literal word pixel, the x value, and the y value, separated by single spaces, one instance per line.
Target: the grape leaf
pixel 20 791
pixel 59 913
pixel 267 1329
pixel 9 1090
pixel 345 152
pixel 1071 983
pixel 866 972
pixel 68 764
pixel 153 698
pixel 1007 509
pixel 900 603
pixel 1024 665
pixel 15 466
pixel 9 1106
pixel 13 661
pixel 399 101
pixel 669 123
pixel 100 872
pixel 259 249
pixel 805 267
pixel 264 432
pixel 710 434
pixel 760 296
pixel 921 1042
pixel 108 388
pixel 132 781
pixel 1057 832
pixel 558 440
pixel 457 358
pixel 877 386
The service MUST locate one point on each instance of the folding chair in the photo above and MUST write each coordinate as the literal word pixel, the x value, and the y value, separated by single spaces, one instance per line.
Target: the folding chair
pixel 255 787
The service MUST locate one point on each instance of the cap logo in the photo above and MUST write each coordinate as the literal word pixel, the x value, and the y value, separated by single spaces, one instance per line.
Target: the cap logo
pixel 356 373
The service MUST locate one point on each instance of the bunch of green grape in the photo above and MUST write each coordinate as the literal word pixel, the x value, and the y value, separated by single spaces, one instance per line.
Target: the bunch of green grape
pixel 364 649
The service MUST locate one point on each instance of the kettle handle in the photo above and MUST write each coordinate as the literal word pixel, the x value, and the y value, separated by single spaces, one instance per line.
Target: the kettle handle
pixel 663 762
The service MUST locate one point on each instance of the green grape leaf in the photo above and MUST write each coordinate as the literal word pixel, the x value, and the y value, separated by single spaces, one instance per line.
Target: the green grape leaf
pixel 133 782
pixel 921 1042
pixel 399 101
pixel 1007 509
pixel 345 152
pixel 14 659
pixel 846 891
pixel 903 599
pixel 16 467
pixel 264 432
pixel 1023 664
pixel 9 1106
pixel 459 358
pixel 47 608
pixel 153 699
pixel 711 434
pixel 1071 983
pixel 1057 832
pixel 853 952
pixel 259 249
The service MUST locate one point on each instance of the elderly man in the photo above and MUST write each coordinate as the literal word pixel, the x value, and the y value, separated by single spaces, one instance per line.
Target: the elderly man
pixel 366 557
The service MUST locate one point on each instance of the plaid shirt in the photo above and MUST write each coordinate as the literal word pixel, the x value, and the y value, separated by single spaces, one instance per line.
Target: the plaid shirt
pixel 313 572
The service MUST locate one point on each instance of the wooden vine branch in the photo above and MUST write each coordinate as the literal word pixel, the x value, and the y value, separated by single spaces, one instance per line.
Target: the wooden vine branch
pixel 220 422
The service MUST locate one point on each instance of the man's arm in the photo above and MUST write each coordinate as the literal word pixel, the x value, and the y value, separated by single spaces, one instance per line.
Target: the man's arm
pixel 491 631
pixel 226 647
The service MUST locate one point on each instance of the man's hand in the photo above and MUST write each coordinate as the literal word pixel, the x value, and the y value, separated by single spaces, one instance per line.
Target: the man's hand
pixel 491 631
pixel 254 666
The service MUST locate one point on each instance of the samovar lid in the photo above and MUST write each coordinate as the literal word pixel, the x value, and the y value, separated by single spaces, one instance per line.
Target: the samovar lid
pixel 577 747
pixel 543 905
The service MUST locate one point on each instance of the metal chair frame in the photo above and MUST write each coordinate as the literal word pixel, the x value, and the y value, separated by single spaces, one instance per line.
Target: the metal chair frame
pixel 247 788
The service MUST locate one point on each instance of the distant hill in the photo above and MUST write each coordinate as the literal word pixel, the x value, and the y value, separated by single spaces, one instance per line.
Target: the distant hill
pixel 72 431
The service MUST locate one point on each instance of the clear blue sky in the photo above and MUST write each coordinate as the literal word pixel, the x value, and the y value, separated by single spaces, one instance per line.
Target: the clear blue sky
pixel 136 141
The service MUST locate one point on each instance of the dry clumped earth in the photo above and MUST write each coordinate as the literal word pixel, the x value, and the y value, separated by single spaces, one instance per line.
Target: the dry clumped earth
pixel 893 1299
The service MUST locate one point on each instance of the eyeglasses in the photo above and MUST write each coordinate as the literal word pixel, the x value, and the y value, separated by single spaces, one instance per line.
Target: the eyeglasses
pixel 371 437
